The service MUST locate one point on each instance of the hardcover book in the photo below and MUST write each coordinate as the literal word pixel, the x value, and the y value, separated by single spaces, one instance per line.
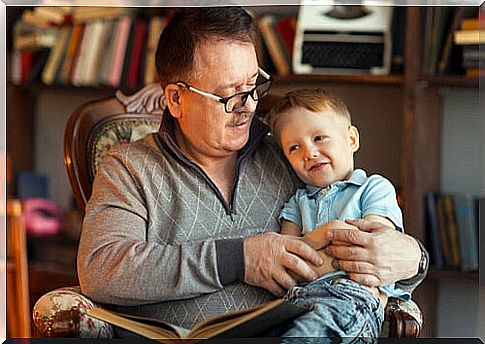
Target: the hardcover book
pixel 250 322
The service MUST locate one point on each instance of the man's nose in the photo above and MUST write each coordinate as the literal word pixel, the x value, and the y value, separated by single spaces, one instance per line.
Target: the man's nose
pixel 250 105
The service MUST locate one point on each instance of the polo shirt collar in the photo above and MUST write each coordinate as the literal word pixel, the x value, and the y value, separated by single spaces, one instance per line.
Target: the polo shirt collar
pixel 358 177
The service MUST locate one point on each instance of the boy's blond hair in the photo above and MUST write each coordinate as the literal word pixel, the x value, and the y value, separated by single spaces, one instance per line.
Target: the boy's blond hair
pixel 315 100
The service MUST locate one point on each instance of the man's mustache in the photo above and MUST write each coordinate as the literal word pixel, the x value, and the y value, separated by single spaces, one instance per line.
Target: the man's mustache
pixel 241 118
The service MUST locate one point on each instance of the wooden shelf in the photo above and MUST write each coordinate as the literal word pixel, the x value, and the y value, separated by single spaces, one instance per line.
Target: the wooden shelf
pixel 451 81
pixel 367 79
pixel 38 86
pixel 455 275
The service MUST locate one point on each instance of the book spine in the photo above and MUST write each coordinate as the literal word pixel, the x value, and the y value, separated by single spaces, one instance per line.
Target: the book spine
pixel 139 43
pixel 467 231
pixel 93 48
pixel 434 244
pixel 155 29
pixel 80 65
pixel 129 53
pixel 266 24
pixel 107 55
pixel 114 75
pixel 69 60
pixel 449 210
pixel 54 61
pixel 445 245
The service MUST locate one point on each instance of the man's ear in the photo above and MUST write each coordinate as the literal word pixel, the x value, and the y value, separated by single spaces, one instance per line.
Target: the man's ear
pixel 354 138
pixel 172 97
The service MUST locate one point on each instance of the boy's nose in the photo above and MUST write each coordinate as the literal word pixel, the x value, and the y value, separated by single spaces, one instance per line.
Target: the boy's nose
pixel 310 153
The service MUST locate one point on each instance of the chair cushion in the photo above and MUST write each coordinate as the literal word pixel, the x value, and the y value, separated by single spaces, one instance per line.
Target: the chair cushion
pixel 118 131
pixel 63 313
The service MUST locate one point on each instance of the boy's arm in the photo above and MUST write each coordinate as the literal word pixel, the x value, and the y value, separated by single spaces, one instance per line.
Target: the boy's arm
pixel 290 228
pixel 380 219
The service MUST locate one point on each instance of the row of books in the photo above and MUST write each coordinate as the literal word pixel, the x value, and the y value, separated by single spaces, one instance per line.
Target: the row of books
pixel 452 230
pixel 276 49
pixel 447 30
pixel 471 37
pixel 113 52
pixel 118 51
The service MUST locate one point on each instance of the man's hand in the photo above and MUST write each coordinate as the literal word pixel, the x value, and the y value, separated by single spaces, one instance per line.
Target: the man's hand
pixel 269 257
pixel 377 255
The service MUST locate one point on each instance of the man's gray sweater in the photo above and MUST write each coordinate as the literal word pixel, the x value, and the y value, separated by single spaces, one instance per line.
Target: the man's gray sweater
pixel 159 236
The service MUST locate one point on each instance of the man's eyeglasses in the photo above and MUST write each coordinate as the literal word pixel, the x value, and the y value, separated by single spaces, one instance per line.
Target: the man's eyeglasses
pixel 237 101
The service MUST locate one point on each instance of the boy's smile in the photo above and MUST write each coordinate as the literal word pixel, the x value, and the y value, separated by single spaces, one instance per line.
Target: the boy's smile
pixel 319 145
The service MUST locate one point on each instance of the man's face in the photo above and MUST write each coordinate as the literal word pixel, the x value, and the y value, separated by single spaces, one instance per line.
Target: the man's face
pixel 222 68
pixel 319 145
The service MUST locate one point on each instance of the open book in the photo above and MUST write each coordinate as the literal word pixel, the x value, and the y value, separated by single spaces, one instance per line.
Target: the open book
pixel 248 322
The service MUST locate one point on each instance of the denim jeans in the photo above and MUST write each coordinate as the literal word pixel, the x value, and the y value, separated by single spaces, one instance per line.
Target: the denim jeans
pixel 340 310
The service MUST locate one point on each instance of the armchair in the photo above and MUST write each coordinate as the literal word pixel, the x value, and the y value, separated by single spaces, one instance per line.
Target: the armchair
pixel 90 132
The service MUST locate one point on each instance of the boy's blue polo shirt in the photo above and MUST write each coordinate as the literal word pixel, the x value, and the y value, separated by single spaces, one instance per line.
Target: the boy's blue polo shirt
pixel 348 199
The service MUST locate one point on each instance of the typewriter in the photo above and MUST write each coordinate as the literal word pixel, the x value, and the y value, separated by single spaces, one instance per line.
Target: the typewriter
pixel 343 39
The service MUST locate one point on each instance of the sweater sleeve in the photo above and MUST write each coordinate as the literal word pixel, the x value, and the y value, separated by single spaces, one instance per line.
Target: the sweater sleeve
pixel 120 262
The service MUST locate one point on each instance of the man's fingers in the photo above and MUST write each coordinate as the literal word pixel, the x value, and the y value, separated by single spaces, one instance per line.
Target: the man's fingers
pixel 354 253
pixel 304 251
pixel 284 280
pixel 365 279
pixel 365 225
pixel 349 236
pixel 353 266
pixel 299 267
pixel 274 288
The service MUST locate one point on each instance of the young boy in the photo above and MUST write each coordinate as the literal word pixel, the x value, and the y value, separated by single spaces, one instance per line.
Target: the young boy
pixel 315 132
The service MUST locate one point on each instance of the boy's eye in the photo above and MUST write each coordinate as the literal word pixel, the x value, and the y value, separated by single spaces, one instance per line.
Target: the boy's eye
pixel 319 138
pixel 293 148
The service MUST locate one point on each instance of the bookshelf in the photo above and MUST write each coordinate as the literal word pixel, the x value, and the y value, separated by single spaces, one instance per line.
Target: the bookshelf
pixel 396 80
pixel 451 81
pixel 415 143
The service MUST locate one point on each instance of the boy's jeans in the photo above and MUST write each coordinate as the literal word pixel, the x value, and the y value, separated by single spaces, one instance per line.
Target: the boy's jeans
pixel 339 308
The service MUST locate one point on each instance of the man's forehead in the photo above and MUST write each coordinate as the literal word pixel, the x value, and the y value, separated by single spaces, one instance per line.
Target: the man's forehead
pixel 229 63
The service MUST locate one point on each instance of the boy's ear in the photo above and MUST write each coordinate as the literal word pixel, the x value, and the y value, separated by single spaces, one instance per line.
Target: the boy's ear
pixel 172 98
pixel 354 138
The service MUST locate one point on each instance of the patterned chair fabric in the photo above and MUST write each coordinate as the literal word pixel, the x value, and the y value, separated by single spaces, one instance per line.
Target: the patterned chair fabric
pixel 63 312
pixel 118 132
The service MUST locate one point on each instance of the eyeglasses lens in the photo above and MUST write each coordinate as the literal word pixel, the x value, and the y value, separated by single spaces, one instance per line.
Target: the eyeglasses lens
pixel 236 103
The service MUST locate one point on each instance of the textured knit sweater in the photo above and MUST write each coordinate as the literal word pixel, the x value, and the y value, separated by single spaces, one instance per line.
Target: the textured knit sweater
pixel 159 235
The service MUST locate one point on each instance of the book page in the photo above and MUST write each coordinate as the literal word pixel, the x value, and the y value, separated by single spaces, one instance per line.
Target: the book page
pixel 147 327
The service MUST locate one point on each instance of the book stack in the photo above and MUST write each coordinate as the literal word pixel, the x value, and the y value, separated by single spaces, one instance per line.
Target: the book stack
pixel 452 230
pixel 86 46
pixel 441 54
pixel 436 26
pixel 471 36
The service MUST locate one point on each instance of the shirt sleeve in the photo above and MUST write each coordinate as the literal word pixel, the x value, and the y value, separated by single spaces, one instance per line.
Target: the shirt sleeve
pixel 379 198
pixel 291 210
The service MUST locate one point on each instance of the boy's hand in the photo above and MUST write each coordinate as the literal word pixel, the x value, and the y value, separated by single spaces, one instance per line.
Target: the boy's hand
pixel 318 240
pixel 318 237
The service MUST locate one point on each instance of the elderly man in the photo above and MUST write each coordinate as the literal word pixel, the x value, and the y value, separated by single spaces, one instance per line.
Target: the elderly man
pixel 182 224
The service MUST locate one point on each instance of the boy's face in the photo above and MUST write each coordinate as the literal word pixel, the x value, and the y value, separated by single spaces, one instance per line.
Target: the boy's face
pixel 320 146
